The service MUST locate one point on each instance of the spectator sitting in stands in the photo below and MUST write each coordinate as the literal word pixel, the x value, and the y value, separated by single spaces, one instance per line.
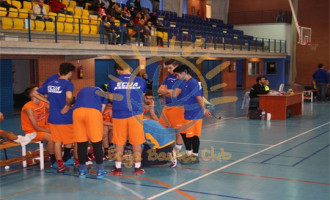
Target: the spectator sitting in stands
pixel 57 7
pixel 125 15
pixel 256 90
pixel 123 30
pixel 40 13
pixel 4 3
pixel 110 30
pixel 147 34
pixel 153 18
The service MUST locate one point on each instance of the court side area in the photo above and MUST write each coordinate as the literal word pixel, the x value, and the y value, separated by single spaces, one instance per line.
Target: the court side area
pixel 239 159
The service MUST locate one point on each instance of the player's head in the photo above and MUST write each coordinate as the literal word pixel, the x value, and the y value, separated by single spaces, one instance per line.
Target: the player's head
pixel 119 69
pixel 67 69
pixel 148 97
pixel 181 71
pixel 171 65
pixel 320 65
pixel 29 90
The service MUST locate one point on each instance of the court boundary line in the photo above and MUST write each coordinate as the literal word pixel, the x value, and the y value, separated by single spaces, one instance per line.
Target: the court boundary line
pixel 233 163
pixel 221 141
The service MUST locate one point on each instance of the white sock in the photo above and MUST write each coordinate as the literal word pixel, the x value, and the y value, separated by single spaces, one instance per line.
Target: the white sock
pixel 189 152
pixel 178 147
pixel 195 154
pixel 137 164
pixel 118 164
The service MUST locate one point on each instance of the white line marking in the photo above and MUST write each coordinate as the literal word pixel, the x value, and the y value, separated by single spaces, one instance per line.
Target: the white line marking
pixel 125 188
pixel 233 163
pixel 220 141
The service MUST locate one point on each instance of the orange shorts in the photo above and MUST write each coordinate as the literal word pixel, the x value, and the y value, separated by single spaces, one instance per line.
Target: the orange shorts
pixel 193 127
pixel 61 133
pixel 40 136
pixel 172 117
pixel 87 125
pixel 128 128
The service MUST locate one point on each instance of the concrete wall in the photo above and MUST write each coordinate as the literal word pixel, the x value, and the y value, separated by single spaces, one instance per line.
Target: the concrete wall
pixel 278 31
pixel 220 9
pixel 174 6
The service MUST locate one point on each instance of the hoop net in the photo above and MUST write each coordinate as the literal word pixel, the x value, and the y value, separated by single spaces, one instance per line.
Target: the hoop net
pixel 305 36
pixel 313 46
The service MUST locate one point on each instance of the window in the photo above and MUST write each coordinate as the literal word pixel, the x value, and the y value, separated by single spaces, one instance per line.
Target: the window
pixel 271 68
pixel 253 68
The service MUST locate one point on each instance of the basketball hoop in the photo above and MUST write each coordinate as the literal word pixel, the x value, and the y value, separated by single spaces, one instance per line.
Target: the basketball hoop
pixel 312 45
pixel 305 35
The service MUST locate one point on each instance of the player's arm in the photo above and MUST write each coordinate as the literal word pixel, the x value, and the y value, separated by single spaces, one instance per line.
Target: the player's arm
pixel 68 101
pixel 39 96
pixel 153 114
pixel 30 114
pixel 200 101
pixel 162 90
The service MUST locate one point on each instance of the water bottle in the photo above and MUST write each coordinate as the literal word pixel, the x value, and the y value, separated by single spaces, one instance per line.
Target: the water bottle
pixel 263 115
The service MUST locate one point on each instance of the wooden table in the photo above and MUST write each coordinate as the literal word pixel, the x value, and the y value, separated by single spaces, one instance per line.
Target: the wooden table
pixel 277 105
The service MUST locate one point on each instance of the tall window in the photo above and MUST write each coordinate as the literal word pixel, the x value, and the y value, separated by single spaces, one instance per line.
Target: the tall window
pixel 253 68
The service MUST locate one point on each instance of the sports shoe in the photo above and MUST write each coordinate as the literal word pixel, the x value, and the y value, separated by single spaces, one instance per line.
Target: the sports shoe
pixel 138 171
pixel 91 156
pixel 180 154
pixel 116 171
pixel 54 165
pixel 83 173
pixel 101 173
pixel 174 160
pixel 63 168
pixel 191 159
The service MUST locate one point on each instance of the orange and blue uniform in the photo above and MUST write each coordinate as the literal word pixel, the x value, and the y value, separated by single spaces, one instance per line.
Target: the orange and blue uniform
pixel 61 127
pixel 87 115
pixel 127 116
pixel 41 116
pixel 173 112
pixel 193 113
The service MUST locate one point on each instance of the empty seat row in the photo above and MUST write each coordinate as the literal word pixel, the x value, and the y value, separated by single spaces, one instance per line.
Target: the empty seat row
pixel 37 25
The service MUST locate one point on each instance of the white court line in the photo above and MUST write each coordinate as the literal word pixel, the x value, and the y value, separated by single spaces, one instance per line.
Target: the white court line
pixel 125 188
pixel 220 141
pixel 233 163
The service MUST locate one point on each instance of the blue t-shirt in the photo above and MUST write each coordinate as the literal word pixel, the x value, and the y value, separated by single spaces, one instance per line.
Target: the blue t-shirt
pixel 156 135
pixel 132 93
pixel 56 91
pixel 190 91
pixel 50 79
pixel 171 82
pixel 88 98
pixel 321 76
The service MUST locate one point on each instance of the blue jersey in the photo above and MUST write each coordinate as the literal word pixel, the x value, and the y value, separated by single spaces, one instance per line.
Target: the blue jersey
pixel 156 135
pixel 56 91
pixel 88 98
pixel 132 93
pixel 190 91
pixel 171 82
pixel 50 79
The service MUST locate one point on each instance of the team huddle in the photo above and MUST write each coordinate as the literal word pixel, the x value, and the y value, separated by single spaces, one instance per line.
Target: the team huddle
pixel 122 114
